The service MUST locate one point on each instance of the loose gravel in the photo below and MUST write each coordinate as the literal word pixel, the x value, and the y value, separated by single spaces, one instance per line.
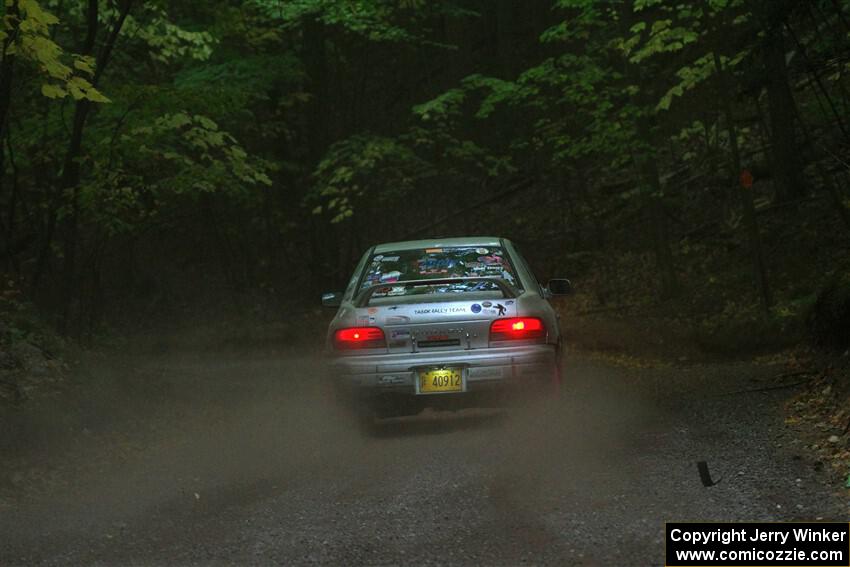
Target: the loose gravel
pixel 242 461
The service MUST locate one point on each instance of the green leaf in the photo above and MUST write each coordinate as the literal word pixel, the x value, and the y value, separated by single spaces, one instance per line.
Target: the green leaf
pixel 84 64
pixel 206 122
pixel 53 91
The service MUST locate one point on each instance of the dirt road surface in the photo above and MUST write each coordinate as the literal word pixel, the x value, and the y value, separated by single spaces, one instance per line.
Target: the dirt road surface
pixel 198 459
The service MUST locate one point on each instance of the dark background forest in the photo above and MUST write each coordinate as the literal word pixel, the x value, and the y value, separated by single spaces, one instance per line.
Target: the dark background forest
pixel 180 181
pixel 164 161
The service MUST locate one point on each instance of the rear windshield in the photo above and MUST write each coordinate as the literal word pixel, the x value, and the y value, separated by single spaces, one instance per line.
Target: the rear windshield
pixel 439 263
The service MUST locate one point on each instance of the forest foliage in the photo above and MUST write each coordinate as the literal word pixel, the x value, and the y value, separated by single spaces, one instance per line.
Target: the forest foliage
pixel 650 148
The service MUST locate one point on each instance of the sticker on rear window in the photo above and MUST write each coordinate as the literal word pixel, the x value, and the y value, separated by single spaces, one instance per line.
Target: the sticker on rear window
pixel 439 310
pixel 390 277
pixel 471 268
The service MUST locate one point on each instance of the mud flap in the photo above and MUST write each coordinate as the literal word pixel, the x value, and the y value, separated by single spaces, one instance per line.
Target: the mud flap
pixel 557 385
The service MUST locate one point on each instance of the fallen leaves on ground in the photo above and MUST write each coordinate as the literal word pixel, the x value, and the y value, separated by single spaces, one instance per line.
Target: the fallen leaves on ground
pixel 821 415
pixel 624 360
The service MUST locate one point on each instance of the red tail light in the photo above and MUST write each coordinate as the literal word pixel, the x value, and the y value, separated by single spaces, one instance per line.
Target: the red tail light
pixel 359 337
pixel 517 328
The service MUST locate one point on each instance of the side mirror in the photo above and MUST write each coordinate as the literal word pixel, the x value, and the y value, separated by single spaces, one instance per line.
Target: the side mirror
pixel 560 286
pixel 332 299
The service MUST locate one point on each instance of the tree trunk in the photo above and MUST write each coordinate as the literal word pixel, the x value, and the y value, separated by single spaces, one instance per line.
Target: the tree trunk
pixel 319 132
pixel 647 165
pixel 7 68
pixel 659 228
pixel 787 169
pixel 315 62
pixel 14 246
pixel 746 194
pixel 70 179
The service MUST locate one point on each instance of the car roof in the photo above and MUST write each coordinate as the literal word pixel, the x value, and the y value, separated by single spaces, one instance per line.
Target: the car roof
pixel 438 243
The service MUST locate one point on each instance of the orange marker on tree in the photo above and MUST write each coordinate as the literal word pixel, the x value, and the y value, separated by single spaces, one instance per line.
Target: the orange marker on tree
pixel 746 179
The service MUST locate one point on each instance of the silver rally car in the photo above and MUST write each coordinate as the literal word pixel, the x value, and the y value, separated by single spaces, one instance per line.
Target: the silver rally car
pixel 437 322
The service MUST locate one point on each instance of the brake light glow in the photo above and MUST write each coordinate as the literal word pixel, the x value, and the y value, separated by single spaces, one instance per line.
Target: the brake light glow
pixel 517 328
pixel 359 337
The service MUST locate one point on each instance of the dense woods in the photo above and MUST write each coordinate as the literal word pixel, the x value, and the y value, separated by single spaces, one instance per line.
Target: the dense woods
pixel 686 157
pixel 182 180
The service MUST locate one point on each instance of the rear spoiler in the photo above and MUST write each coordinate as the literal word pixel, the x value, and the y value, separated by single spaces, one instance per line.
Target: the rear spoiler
pixel 362 299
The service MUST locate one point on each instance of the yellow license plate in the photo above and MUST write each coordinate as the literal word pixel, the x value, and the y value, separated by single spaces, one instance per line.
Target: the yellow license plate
pixel 442 380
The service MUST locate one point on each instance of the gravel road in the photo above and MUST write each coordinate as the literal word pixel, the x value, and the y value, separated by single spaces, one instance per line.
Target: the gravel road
pixel 220 459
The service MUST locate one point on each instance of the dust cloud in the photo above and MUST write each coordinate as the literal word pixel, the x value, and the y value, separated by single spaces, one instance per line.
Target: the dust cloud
pixel 160 437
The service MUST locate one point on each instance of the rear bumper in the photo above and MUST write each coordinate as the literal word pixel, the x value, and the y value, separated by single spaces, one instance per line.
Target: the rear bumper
pixel 485 369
